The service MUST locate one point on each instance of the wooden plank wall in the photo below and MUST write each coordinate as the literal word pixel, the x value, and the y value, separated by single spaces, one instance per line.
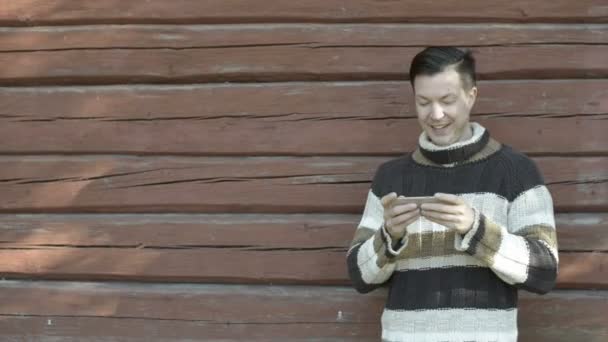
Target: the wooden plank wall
pixel 194 170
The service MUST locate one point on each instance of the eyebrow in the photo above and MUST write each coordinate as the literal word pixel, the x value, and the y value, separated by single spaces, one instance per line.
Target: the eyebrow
pixel 441 98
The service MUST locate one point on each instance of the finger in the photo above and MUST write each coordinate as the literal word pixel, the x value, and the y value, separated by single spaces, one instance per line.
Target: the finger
pixel 401 209
pixel 397 231
pixel 449 198
pixel 395 228
pixel 387 199
pixel 399 220
pixel 401 228
pixel 441 216
pixel 443 208
pixel 412 220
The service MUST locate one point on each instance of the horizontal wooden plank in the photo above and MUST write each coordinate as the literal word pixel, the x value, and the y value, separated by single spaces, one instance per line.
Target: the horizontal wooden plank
pixel 582 232
pixel 133 312
pixel 57 12
pixel 213 303
pixel 286 63
pixel 303 100
pixel 126 329
pixel 203 248
pixel 558 317
pixel 583 270
pixel 285 134
pixel 213 184
pixel 200 265
pixel 229 264
pixel 310 35
pixel 296 231
pixel 289 118
pixel 576 232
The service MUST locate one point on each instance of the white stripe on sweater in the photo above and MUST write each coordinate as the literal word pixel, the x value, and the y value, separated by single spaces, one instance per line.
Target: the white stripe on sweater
pixel 532 207
pixel 373 214
pixel 450 325
pixel 368 265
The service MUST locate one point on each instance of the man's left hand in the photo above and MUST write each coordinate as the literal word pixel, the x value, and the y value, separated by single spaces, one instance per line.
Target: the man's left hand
pixel 453 212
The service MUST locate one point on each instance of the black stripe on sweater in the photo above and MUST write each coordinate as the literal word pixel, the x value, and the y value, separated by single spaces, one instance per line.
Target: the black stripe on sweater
pixel 453 287
pixel 355 273
pixel 481 231
pixel 542 270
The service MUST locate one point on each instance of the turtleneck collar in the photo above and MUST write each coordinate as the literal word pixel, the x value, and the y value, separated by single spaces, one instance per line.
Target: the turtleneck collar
pixel 455 153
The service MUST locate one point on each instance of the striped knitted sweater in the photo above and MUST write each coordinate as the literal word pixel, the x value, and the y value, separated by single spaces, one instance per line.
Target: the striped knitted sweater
pixel 444 286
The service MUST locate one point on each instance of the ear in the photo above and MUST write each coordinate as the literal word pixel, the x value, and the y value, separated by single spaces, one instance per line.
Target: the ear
pixel 472 96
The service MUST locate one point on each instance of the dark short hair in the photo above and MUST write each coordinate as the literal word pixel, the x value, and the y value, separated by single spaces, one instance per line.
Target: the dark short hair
pixel 436 59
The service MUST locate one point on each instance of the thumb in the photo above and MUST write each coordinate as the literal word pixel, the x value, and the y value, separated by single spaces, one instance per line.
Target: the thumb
pixel 387 199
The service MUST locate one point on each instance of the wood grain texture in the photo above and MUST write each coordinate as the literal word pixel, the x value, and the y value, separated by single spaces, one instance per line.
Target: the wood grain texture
pixel 290 249
pixel 303 100
pixel 115 184
pixel 230 264
pixel 126 329
pixel 269 313
pixel 109 54
pixel 284 134
pixel 575 232
pixel 58 12
pixel 201 184
pixel 285 63
pixel 311 35
pixel 289 118
pixel 582 232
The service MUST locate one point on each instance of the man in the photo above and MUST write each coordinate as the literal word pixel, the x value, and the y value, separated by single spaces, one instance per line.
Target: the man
pixel 454 267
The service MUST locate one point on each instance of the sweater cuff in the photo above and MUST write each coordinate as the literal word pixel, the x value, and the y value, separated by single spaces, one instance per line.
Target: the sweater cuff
pixel 463 243
pixel 393 248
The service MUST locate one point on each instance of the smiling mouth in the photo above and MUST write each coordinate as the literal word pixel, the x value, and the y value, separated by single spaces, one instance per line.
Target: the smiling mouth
pixel 440 126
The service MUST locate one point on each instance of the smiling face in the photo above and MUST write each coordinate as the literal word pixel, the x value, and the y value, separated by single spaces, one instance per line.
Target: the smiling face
pixel 443 106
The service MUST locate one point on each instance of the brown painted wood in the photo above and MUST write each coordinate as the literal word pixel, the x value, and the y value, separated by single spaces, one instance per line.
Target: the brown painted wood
pixel 284 134
pixel 561 187
pixel 576 232
pixel 310 35
pixel 55 12
pixel 206 264
pixel 583 270
pixel 297 231
pixel 212 303
pixel 285 63
pixel 125 329
pixel 233 185
pixel 263 248
pixel 230 264
pixel 563 316
pixel 582 232
pixel 171 312
pixel 292 118
pixel 302 100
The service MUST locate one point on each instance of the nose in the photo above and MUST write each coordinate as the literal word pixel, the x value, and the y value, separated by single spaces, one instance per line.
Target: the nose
pixel 436 112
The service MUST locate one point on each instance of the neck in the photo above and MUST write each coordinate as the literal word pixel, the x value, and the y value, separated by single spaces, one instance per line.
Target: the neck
pixel 475 139
pixel 467 133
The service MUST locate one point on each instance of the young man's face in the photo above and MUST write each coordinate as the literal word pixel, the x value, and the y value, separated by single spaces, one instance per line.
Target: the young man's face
pixel 443 106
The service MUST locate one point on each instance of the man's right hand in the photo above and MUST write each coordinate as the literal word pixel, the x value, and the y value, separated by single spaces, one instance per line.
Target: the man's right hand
pixel 398 217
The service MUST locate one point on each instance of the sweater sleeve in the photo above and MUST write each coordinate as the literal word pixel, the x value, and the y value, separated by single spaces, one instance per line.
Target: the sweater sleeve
pixel 524 253
pixel 371 256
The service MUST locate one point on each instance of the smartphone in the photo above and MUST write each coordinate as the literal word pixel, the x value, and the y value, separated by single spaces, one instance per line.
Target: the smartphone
pixel 418 200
